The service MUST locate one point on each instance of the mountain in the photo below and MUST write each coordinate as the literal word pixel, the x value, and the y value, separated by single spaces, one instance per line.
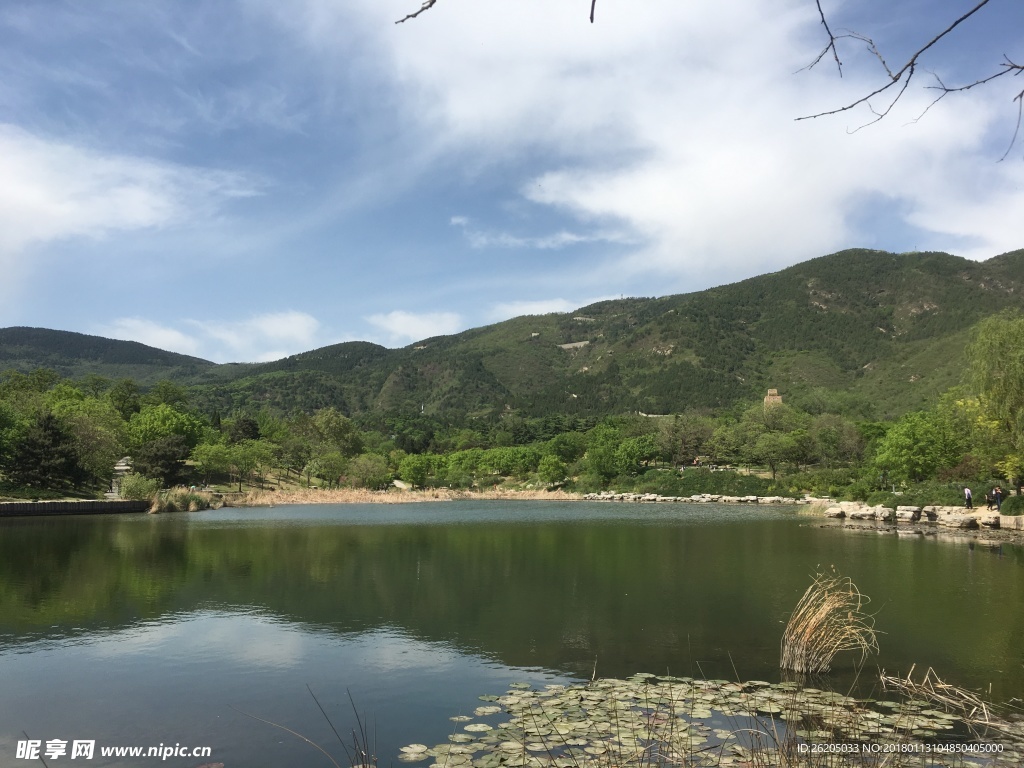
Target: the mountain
pixel 868 332
pixel 75 355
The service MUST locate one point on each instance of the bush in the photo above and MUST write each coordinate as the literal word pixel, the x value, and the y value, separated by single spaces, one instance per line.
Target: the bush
pixel 692 482
pixel 1013 505
pixel 136 487
pixel 923 494
pixel 884 498
pixel 818 482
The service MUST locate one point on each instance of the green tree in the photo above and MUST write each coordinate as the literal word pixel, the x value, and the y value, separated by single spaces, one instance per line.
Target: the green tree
pixel 45 456
pixel 99 432
pixel 551 469
pixel 329 467
pixel 166 392
pixel 996 361
pixel 159 421
pixel 337 431
pixel 251 457
pixel 369 470
pixel 162 458
pixel 211 459
pixel 918 446
pixel 124 396
pixel 602 442
pixel 415 469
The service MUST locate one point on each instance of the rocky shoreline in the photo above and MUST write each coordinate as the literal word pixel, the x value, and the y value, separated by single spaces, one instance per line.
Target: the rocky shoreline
pixel 697 498
pixel 904 520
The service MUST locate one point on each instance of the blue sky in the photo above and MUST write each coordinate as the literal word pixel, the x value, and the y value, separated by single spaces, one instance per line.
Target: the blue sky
pixel 242 180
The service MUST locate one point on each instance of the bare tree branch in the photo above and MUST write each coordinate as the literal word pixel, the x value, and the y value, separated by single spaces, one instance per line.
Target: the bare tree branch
pixel 896 77
pixel 831 43
pixel 427 5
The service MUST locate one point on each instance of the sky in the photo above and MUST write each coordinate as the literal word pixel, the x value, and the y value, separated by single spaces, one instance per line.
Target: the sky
pixel 241 180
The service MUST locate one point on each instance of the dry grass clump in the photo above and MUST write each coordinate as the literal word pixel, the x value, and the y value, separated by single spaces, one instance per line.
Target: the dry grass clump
pixel 182 500
pixel 967 705
pixel 828 619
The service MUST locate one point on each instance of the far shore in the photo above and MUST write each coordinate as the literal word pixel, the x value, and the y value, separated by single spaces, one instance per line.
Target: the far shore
pixel 393 496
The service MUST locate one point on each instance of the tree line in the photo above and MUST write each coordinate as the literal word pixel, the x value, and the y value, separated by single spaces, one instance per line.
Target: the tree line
pixel 61 436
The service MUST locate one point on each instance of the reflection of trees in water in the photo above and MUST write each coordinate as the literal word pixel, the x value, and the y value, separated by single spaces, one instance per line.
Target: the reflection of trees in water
pixel 59 571
pixel 557 595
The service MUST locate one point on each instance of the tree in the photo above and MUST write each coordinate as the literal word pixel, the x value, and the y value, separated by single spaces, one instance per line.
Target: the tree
pixel 919 445
pixel 329 467
pixel 45 456
pixel 337 431
pixel 162 458
pixel 996 360
pixel 251 456
pixel 167 393
pixel 415 469
pixel 99 433
pixel 124 396
pixel 551 469
pixel 244 427
pixel 211 459
pixel 369 470
pixel 159 421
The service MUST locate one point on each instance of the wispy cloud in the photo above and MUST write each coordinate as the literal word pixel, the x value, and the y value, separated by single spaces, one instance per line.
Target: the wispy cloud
pixel 51 190
pixel 403 327
pixel 478 238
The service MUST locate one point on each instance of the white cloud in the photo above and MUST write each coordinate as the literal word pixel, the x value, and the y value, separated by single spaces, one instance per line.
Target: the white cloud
pixel 508 309
pixel 259 338
pixel 50 190
pixel 153 334
pixel 403 326
pixel 674 123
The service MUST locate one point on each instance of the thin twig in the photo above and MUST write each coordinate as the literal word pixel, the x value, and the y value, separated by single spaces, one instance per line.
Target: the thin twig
pixel 907 69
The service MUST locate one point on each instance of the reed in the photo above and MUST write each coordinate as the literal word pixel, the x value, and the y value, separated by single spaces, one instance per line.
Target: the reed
pixel 829 618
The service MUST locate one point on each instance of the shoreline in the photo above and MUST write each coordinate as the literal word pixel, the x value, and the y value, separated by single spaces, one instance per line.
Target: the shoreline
pixel 362 496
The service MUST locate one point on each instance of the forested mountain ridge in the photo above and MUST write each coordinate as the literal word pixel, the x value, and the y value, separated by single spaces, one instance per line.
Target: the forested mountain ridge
pixel 75 355
pixel 875 332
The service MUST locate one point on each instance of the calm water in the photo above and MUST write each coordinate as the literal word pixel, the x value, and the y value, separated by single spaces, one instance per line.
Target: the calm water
pixel 142 630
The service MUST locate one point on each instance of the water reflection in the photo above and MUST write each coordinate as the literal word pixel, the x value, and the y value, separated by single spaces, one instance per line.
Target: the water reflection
pixel 423 608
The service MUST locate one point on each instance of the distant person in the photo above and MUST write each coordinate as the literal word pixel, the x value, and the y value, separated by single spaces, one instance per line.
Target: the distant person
pixel 997 497
pixel 968 498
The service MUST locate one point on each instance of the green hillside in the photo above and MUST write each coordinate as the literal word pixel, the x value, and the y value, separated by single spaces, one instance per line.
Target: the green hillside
pixel 869 332
pixel 76 355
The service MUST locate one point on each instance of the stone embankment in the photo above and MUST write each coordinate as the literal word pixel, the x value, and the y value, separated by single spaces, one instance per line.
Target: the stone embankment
pixel 949 517
pixel 698 498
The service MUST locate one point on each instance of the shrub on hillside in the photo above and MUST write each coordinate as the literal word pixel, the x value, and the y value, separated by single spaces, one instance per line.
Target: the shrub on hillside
pixel 1014 505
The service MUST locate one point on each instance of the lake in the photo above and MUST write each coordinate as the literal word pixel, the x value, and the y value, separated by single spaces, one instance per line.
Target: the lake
pixel 167 629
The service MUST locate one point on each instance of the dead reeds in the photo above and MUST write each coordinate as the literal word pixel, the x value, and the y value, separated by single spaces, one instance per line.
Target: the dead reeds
pixel 829 618
pixel 966 705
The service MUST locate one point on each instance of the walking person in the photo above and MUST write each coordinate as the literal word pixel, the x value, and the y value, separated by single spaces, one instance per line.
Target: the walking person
pixel 968 498
pixel 997 496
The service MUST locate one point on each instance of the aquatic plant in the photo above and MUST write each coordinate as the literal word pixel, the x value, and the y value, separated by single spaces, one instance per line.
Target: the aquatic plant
pixel 829 618
pixel 661 722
